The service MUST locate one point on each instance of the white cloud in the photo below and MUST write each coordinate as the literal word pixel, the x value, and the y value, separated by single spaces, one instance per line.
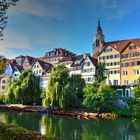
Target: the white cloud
pixel 49 8
pixel 13 41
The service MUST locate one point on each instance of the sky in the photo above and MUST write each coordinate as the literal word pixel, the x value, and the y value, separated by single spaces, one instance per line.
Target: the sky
pixel 37 26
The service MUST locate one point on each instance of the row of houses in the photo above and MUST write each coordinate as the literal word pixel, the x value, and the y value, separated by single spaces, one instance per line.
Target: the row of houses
pixel 80 64
pixel 121 59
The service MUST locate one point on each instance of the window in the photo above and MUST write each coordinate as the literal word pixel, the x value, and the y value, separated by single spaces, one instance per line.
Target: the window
pixel 136 72
pixel 115 82
pixel 125 82
pixel 120 92
pixel 131 47
pixel 3 81
pixel 127 93
pixel 3 87
pixel 109 82
pixel 125 72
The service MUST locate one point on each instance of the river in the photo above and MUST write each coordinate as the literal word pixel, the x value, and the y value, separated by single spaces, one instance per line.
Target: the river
pixel 68 128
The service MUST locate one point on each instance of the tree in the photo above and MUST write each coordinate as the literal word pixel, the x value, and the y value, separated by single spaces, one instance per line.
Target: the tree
pixel 99 74
pixel 77 85
pixel 4 5
pixel 58 92
pixel 100 98
pixel 25 90
pixel 2 64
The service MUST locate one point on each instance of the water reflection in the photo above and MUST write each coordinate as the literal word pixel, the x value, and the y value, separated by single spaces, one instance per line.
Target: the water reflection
pixel 66 128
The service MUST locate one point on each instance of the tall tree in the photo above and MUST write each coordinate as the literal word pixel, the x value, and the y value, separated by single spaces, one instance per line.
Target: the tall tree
pixel 77 85
pixel 100 97
pixel 99 74
pixel 4 5
pixel 25 90
pixel 58 92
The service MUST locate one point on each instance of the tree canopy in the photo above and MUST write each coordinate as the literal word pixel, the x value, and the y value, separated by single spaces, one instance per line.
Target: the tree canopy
pixel 99 98
pixel 59 91
pixel 4 5
pixel 25 90
pixel 99 74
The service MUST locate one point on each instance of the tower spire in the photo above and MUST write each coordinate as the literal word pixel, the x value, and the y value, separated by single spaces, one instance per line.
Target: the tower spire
pixel 99 38
pixel 99 25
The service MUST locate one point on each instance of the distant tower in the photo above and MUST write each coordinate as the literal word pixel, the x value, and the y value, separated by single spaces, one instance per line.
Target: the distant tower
pixel 99 39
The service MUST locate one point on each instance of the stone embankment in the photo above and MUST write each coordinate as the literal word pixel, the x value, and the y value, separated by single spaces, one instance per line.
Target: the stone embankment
pixel 72 113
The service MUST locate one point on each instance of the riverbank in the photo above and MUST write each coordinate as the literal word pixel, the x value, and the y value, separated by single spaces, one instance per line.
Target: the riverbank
pixel 72 112
pixel 14 132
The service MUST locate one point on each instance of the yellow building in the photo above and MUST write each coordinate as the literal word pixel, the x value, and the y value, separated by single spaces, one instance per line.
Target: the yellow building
pixel 111 58
pixel 130 63
pixel 4 83
pixel 121 58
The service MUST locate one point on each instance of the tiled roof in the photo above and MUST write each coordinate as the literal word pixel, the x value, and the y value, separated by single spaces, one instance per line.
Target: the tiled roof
pixel 61 52
pixel 93 60
pixel 70 58
pixel 119 45
pixel 43 64
pixel 77 58
pixel 30 59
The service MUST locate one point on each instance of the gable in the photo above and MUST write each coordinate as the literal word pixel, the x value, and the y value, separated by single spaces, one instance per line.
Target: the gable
pixel 87 63
pixel 37 65
pixel 108 50
pixel 131 47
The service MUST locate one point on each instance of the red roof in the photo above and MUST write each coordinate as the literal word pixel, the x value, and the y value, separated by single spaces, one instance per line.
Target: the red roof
pixel 119 45
pixel 30 59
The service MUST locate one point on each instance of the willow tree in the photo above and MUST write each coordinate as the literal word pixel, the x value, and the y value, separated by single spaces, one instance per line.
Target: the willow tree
pixel 58 92
pixel 4 5
pixel 25 90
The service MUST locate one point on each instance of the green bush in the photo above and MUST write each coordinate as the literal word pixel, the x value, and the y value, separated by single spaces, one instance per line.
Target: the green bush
pixel 123 113
pixel 2 100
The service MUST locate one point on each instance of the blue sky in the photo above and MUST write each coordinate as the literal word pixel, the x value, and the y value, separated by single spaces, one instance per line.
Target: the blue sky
pixel 38 26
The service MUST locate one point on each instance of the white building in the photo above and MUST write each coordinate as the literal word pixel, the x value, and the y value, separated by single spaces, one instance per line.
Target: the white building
pixel 81 64
pixel 42 69
pixel 88 69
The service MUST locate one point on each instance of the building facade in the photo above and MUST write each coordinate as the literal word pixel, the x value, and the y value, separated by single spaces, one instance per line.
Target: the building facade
pixel 4 83
pixel 54 56
pixel 130 63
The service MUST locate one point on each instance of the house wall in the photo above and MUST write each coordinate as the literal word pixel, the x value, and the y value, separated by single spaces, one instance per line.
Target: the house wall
pixel 37 69
pixel 4 83
pixel 26 64
pixel 111 58
pixel 88 71
pixel 130 65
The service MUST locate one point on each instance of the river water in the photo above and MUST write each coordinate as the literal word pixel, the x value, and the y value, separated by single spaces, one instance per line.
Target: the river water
pixel 68 128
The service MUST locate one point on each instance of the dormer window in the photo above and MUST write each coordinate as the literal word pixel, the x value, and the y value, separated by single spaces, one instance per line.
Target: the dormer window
pixel 131 47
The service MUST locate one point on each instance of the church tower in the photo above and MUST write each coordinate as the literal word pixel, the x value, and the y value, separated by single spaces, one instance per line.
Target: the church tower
pixel 99 39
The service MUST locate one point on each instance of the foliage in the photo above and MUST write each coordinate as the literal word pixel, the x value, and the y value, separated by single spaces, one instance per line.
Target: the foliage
pixel 122 113
pixel 2 64
pixel 77 85
pixel 99 74
pixel 25 90
pixel 4 5
pixel 100 98
pixel 134 104
pixel 14 132
pixel 2 100
pixel 59 91
pixel 137 91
